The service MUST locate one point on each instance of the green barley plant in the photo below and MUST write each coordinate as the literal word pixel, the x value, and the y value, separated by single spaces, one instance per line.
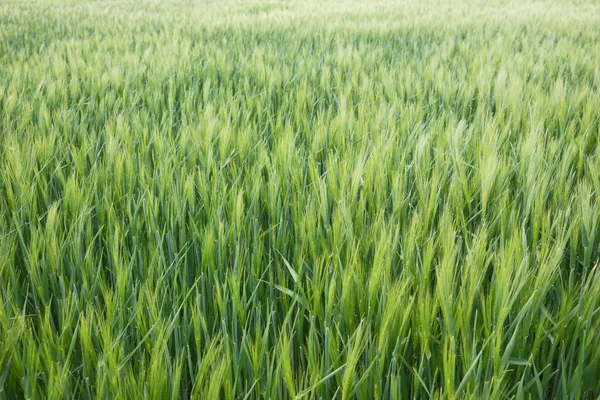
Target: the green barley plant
pixel 266 199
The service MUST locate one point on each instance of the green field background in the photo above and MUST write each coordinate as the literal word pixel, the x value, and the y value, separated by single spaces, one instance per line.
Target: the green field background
pixel 298 199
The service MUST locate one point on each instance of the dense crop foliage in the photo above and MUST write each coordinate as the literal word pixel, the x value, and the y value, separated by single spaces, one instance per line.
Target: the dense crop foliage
pixel 281 199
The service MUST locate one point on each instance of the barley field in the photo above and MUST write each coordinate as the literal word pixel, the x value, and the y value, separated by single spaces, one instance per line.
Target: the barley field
pixel 269 199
